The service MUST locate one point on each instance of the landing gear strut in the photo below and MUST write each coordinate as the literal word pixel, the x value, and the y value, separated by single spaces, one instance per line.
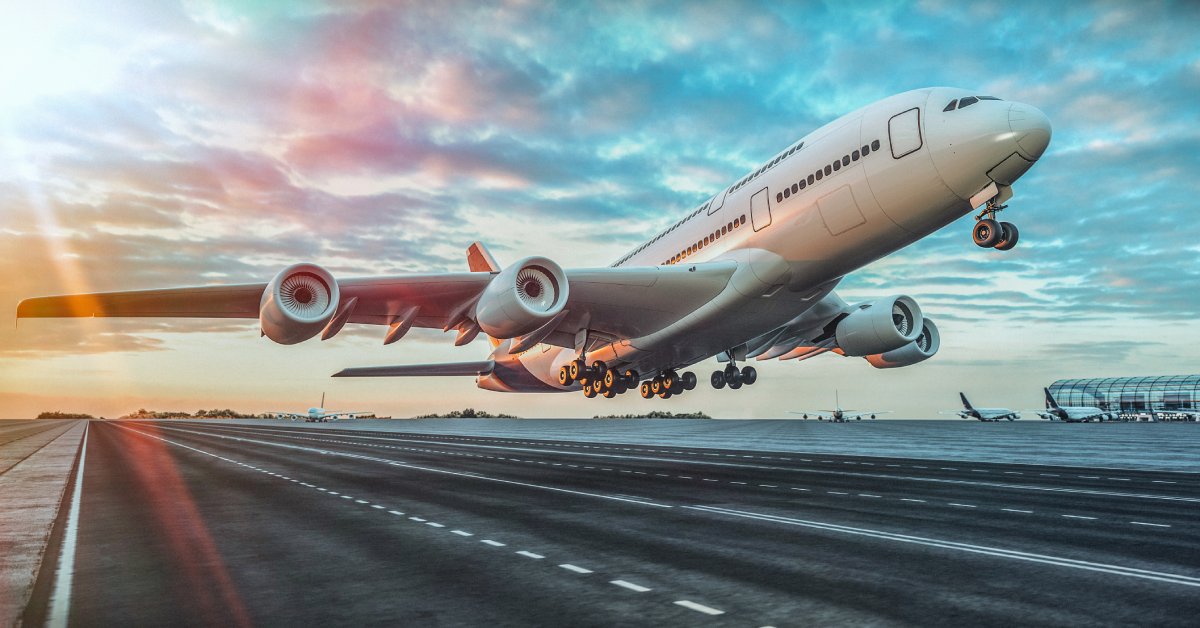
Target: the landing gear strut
pixel 989 233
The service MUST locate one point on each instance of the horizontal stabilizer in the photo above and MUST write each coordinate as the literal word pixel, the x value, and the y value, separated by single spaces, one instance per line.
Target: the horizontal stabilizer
pixel 483 367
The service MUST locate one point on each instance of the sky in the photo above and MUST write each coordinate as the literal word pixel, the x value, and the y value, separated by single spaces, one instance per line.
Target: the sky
pixel 161 143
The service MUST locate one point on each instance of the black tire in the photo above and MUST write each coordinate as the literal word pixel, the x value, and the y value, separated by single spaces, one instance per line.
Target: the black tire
pixel 749 375
pixel 564 376
pixel 588 392
pixel 986 233
pixel 631 378
pixel 731 371
pixel 600 368
pixel 735 384
pixel 656 386
pixel 609 379
pixel 610 393
pixel 689 380
pixel 575 368
pixel 645 390
pixel 670 382
pixel 717 380
pixel 1009 236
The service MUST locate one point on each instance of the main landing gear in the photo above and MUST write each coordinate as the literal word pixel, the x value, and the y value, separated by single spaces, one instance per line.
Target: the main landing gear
pixel 597 380
pixel 668 384
pixel 734 377
pixel 988 233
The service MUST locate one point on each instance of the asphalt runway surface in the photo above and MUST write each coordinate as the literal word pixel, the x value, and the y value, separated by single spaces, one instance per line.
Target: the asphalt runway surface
pixel 227 524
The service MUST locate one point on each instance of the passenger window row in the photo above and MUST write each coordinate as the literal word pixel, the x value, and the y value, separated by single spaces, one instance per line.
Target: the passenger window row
pixel 830 168
pixel 699 210
pixel 966 102
pixel 708 239
pixel 771 164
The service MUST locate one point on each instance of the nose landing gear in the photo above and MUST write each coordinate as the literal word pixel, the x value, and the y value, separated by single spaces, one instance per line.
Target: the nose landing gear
pixel 989 233
pixel 734 377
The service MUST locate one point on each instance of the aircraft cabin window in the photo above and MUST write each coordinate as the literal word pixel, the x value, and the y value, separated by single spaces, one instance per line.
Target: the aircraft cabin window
pixel 779 197
pixel 819 175
pixel 837 165
pixel 742 219
pixel 810 179
pixel 795 188
pixel 845 160
pixel 828 170
pixel 950 107
pixel 875 145
pixel 854 155
pixel 866 150
pixel 967 102
pixel 803 184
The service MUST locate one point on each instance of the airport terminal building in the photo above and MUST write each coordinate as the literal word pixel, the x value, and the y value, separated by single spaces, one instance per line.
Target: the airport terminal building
pixel 1165 398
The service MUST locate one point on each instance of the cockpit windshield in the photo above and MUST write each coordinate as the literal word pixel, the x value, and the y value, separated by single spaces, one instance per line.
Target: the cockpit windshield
pixel 966 102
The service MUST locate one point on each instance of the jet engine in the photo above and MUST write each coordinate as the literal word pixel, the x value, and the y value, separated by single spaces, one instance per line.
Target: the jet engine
pixel 918 350
pixel 298 303
pixel 884 325
pixel 522 298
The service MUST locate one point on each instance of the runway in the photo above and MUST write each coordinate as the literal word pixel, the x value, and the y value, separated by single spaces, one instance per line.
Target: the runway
pixel 201 524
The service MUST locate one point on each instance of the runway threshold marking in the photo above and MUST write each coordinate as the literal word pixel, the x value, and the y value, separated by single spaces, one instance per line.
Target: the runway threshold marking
pixel 998 552
pixel 60 600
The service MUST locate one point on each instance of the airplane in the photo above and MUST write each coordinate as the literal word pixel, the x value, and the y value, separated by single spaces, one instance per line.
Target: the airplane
pixel 318 414
pixel 1073 414
pixel 984 414
pixel 747 274
pixel 838 415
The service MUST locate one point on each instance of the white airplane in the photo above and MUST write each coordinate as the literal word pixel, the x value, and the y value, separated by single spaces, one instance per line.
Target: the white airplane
pixel 985 414
pixel 1073 414
pixel 838 415
pixel 749 273
pixel 319 414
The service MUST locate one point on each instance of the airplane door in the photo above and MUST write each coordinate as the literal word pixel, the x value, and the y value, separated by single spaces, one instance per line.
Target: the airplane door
pixel 904 131
pixel 760 210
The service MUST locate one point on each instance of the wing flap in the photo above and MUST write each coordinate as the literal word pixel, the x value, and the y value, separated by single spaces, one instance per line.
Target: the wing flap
pixel 482 367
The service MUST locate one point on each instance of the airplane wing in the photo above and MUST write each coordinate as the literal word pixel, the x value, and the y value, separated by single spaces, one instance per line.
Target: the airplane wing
pixel 288 415
pixel 481 367
pixel 620 302
pixel 818 413
pixel 855 415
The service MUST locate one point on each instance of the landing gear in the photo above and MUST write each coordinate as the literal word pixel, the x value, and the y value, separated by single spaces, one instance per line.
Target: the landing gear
pixel 990 233
pixel 734 377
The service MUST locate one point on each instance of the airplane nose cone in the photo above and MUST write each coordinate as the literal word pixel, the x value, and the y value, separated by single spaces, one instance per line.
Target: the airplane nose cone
pixel 1031 129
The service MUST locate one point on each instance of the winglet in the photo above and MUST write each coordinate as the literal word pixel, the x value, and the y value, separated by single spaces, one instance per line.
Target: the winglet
pixel 966 404
pixel 480 260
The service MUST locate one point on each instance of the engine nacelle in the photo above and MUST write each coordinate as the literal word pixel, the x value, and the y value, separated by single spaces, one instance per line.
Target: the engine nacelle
pixel 298 303
pixel 918 350
pixel 884 325
pixel 522 298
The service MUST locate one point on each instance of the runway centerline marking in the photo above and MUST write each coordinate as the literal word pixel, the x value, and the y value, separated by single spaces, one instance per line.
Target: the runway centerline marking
pixel 707 610
pixel 631 586
pixel 492 543
pixel 530 554
pixel 574 568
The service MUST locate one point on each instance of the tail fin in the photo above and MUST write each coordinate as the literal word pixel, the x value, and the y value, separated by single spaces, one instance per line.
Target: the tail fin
pixel 966 404
pixel 1050 402
pixel 322 401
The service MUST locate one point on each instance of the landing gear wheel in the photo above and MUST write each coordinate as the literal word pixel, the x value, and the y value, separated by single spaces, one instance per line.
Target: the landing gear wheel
pixel 670 382
pixel 1008 236
pixel 734 379
pixel 574 369
pixel 986 233
pixel 597 387
pixel 599 368
pixel 564 376
pixel 589 392
pixel 609 379
pixel 717 380
pixel 688 380
pixel 749 375
pixel 735 384
pixel 645 390
pixel 631 378
pixel 610 393
pixel 656 386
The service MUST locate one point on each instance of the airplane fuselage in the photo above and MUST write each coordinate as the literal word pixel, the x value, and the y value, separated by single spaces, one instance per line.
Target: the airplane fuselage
pixel 860 187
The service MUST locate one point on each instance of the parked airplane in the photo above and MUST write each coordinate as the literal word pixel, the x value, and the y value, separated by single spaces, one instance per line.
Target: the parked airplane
pixel 838 415
pixel 319 414
pixel 985 414
pixel 749 273
pixel 1072 414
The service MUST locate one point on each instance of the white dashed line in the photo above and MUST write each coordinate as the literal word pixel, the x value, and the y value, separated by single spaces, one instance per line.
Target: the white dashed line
pixel 461 533
pixel 1156 525
pixel 836 493
pixel 1161 482
pixel 1050 475
pixel 768 486
pixel 963 505
pixel 492 543
pixel 417 519
pixel 1078 517
pixel 629 585
pixel 396 512
pixel 570 567
pixel 434 524
pixel 530 554
pixel 707 610
pixel 1027 512
pixel 361 501
pixel 797 488
pixel 378 506
pixel 906 499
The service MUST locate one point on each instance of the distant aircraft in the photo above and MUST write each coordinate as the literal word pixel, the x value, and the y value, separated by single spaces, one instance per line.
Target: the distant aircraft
pixel 984 414
pixel 1072 414
pixel 747 274
pixel 838 415
pixel 318 414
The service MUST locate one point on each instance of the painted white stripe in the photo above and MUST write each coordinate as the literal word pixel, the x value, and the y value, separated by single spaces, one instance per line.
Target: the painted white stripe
pixel 529 554
pixel 1028 512
pixel 492 543
pixel 396 512
pixel 1143 523
pixel 1119 570
pixel 361 501
pixel 963 505
pixel 378 506
pixel 629 585
pixel 707 610
pixel 461 533
pixel 867 495
pixel 417 519
pixel 1078 517
pixel 64 576
pixel 570 567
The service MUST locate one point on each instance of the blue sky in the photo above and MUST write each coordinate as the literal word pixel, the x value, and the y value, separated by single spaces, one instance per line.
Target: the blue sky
pixel 155 144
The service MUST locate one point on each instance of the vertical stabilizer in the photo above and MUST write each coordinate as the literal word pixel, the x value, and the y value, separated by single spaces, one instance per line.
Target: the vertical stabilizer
pixel 966 404
pixel 1050 402
pixel 322 401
